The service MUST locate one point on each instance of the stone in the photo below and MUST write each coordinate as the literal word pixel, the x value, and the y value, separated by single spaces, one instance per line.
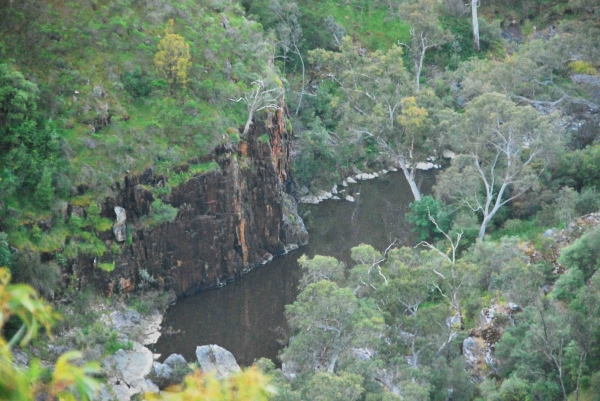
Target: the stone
pixel 344 183
pixel 424 166
pixel 392 168
pixel 212 358
pixel 160 374
pixel 293 228
pixel 349 198
pixel 89 143
pixel 120 228
pixel 448 154
pixel 175 360
pixel 334 190
pixel 585 79
pixel 351 180
pixel 384 171
pixel 311 199
pixel 303 190
pixel 126 371
pixel 335 197
pixel 548 233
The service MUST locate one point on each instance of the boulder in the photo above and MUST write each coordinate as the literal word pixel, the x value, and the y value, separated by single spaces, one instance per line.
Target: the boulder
pixel 350 180
pixel 126 372
pixel 212 358
pixel 585 79
pixel 161 375
pixel 349 198
pixel 120 228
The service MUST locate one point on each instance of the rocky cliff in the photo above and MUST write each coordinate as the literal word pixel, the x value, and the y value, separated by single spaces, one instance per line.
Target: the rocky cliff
pixel 228 221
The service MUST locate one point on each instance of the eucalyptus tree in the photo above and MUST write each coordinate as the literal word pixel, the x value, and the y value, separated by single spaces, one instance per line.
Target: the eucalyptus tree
pixel 289 33
pixel 327 323
pixel 425 30
pixel 376 102
pixel 502 148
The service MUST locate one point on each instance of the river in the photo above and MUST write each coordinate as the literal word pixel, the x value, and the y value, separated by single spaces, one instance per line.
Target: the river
pixel 246 317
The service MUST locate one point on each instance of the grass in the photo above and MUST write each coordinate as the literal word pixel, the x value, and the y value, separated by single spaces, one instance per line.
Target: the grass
pixel 371 26
pixel 107 267
pixel 527 230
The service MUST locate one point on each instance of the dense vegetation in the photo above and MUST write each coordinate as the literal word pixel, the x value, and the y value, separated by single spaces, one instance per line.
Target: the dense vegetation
pixel 93 91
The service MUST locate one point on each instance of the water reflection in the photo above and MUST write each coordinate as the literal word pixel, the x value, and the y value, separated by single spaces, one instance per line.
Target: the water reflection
pixel 246 317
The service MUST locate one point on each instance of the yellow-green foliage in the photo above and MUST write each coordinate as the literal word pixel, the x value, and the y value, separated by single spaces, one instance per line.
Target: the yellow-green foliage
pixel 249 384
pixel 193 170
pixel 20 302
pixel 107 267
pixel 582 67
pixel 173 58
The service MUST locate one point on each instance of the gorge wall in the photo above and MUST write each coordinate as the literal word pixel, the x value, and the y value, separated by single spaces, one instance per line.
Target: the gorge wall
pixel 228 221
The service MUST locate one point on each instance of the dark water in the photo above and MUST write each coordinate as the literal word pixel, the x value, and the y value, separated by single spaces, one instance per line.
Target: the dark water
pixel 246 317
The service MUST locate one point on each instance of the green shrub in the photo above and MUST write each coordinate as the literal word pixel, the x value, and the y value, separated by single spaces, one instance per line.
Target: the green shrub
pixel 583 254
pixel 162 212
pixel 136 83
pixel 107 267
pixel 568 285
pixel 112 345
pixel 28 269
pixel 422 224
pixel 44 191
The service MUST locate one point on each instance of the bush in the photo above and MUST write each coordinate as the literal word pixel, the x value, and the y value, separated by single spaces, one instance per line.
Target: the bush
pixel 44 191
pixel 136 83
pixel 568 285
pixel 419 218
pixel 163 212
pixel 28 269
pixel 583 254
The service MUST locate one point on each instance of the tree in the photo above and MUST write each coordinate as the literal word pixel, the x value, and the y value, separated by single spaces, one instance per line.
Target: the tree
pixel 425 30
pixel 330 387
pixel 173 58
pixel 44 191
pixel 376 105
pixel 260 98
pixel 320 268
pixel 502 149
pixel 475 19
pixel 289 33
pixel 420 217
pixel 327 323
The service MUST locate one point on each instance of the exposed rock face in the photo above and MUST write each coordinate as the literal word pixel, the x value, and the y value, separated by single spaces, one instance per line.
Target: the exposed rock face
pixel 228 221
pixel 120 229
pixel 212 358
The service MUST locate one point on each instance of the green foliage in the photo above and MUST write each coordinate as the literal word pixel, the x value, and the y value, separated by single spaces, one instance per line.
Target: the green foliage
pixel 320 268
pixel 44 191
pixel 583 254
pixel 43 277
pixel 136 83
pixel 113 345
pixel 107 267
pixel 419 217
pixel 568 284
pixel 162 212
pixel 67 381
pixel 316 164
pixel 330 387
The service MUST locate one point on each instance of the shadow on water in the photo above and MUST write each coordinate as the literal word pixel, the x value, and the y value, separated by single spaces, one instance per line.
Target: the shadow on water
pixel 246 317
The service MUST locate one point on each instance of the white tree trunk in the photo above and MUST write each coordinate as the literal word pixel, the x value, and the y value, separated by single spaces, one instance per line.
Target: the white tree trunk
pixel 303 78
pixel 409 173
pixel 474 6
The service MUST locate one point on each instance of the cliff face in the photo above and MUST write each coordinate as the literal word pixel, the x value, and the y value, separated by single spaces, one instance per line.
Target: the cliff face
pixel 228 221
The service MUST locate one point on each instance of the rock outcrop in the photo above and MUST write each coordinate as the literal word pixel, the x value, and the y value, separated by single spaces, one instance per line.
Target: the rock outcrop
pixel 228 221
pixel 212 358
